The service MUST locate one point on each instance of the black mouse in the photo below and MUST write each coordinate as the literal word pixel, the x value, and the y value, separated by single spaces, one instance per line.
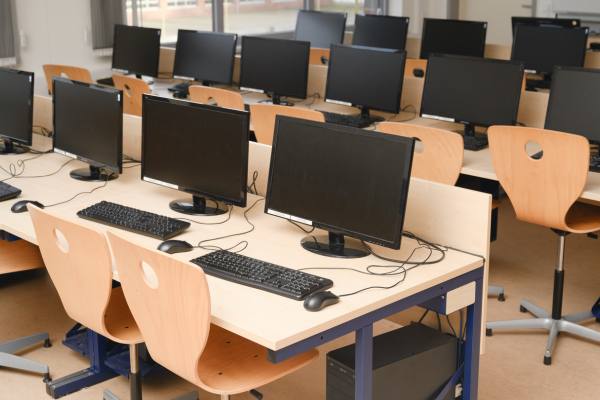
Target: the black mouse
pixel 418 72
pixel 175 246
pixel 320 300
pixel 21 206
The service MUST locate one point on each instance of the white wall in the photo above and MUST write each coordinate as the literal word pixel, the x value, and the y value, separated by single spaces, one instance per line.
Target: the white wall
pixel 56 32
pixel 416 10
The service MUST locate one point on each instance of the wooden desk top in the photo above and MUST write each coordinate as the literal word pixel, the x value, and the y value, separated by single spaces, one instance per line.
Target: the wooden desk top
pixel 267 319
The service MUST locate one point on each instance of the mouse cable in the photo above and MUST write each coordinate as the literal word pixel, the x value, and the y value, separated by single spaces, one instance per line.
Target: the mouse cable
pixel 48 174
pixel 229 210
pixel 17 167
pixel 252 189
pixel 80 194
pixel 43 131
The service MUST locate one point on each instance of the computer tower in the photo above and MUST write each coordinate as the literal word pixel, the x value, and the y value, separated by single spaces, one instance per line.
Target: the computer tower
pixel 410 363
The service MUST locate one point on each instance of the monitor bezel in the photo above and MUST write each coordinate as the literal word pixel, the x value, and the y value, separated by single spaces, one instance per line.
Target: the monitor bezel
pixel 314 12
pixel 396 109
pixel 425 20
pixel 31 75
pixel 130 71
pixel 241 202
pixel 394 243
pixel 537 21
pixel 207 33
pixel 390 17
pixel 261 90
pixel 477 59
pixel 94 163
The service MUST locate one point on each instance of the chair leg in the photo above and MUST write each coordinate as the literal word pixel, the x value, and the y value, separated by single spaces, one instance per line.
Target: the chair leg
pixel 224 397
pixel 496 291
pixel 188 396
pixel 537 311
pixel 135 378
pixel 108 395
pixel 8 359
pixel 551 342
pixel 579 317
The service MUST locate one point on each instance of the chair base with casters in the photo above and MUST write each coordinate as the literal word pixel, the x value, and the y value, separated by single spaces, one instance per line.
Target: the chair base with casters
pixel 554 322
pixel 194 396
pixel 8 359
pixel 135 378
pixel 496 291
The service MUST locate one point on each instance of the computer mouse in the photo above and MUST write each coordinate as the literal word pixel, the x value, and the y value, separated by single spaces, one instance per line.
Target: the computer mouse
pixel 175 246
pixel 418 72
pixel 180 94
pixel 21 206
pixel 320 300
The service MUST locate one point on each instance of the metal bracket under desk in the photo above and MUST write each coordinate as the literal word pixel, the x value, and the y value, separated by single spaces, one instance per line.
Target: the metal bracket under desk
pixel 363 328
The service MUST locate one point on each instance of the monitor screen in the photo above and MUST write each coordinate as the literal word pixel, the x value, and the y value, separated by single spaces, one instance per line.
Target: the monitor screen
pixel 365 76
pixel 445 36
pixel 205 56
pixel 537 21
pixel 16 105
pixel 574 102
pixel 342 179
pixel 136 50
pixel 275 66
pixel 472 90
pixel 541 48
pixel 195 148
pixel 321 29
pixel 380 31
pixel 88 123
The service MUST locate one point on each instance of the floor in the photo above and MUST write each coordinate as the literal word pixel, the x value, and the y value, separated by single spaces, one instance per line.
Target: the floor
pixel 522 260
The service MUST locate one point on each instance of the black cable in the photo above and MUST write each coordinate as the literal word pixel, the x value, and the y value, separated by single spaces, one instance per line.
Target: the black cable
pixel 301 227
pixel 43 131
pixel 79 194
pixel 208 223
pixel 439 321
pixel 46 175
pixel 17 168
pixel 423 316
pixel 252 189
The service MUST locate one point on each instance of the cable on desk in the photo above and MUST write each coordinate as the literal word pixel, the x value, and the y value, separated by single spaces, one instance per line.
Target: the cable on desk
pixel 17 168
pixel 43 131
pixel 313 97
pixel 80 194
pixel 49 174
pixel 208 223
pixel 252 189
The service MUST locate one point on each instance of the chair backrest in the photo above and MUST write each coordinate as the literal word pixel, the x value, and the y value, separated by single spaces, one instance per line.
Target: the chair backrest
pixel 223 98
pixel 318 55
pixel 262 119
pixel 79 263
pixel 133 89
pixel 415 63
pixel 540 190
pixel 170 302
pixel 439 155
pixel 74 73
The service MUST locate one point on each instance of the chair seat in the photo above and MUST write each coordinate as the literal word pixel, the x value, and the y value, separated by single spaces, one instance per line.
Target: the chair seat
pixel 231 364
pixel 583 218
pixel 119 321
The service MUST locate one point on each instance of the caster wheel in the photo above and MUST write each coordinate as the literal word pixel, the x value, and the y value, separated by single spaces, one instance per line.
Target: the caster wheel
pixel 522 309
pixel 489 332
pixel 547 360
pixel 46 378
pixel 47 343
pixel 501 297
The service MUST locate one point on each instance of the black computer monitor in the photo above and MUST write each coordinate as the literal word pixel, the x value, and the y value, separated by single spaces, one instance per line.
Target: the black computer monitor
pixel 541 48
pixel 367 77
pixel 205 57
pixel 345 180
pixel 16 110
pixel 277 67
pixel 472 91
pixel 380 31
pixel 574 102
pixel 88 126
pixel 136 50
pixel 538 21
pixel 321 29
pixel 447 36
pixel 198 149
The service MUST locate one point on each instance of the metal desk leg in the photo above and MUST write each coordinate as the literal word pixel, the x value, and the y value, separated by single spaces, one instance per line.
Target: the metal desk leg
pixel 472 345
pixel 363 389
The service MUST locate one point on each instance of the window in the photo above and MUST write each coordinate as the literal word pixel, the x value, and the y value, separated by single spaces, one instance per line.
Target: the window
pixel 251 17
pixel 352 7
pixel 182 3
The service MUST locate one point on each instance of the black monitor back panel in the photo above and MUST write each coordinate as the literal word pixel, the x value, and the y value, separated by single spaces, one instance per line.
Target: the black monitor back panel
pixel 380 31
pixel 16 105
pixel 445 36
pixel 321 29
pixel 136 50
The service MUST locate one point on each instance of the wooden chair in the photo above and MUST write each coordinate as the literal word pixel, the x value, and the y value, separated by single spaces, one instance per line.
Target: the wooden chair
pixel 74 73
pixel 223 98
pixel 79 263
pixel 133 89
pixel 16 257
pixel 440 158
pixel 262 119
pixel 170 301
pixel 414 63
pixel 319 56
pixel 545 192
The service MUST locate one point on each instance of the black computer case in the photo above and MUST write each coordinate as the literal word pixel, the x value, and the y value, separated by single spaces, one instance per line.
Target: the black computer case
pixel 410 363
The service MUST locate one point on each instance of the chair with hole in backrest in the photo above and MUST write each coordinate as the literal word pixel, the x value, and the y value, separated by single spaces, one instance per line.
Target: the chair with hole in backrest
pixel 262 119
pixel 222 97
pixel 52 71
pixel 544 191
pixel 79 263
pixel 133 89
pixel 171 303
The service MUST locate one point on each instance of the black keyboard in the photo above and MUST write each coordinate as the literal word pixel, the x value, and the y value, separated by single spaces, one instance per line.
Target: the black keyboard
pixel 357 121
pixel 8 192
pixel 134 220
pixel 261 275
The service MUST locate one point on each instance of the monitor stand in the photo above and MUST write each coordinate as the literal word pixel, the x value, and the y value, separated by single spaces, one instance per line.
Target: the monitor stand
pixel 8 147
pixel 148 80
pixel 196 207
pixel 365 114
pixel 276 99
pixel 335 245
pixel 93 174
pixel 472 140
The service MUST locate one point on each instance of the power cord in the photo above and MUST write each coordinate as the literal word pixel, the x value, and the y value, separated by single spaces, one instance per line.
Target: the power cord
pixel 80 194
pixel 43 131
pixel 17 168
pixel 252 189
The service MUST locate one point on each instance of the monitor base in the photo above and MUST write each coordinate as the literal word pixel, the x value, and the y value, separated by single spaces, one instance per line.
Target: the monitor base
pixel 472 140
pixel 93 174
pixel 195 207
pixel 334 245
pixel 8 147
pixel 277 102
